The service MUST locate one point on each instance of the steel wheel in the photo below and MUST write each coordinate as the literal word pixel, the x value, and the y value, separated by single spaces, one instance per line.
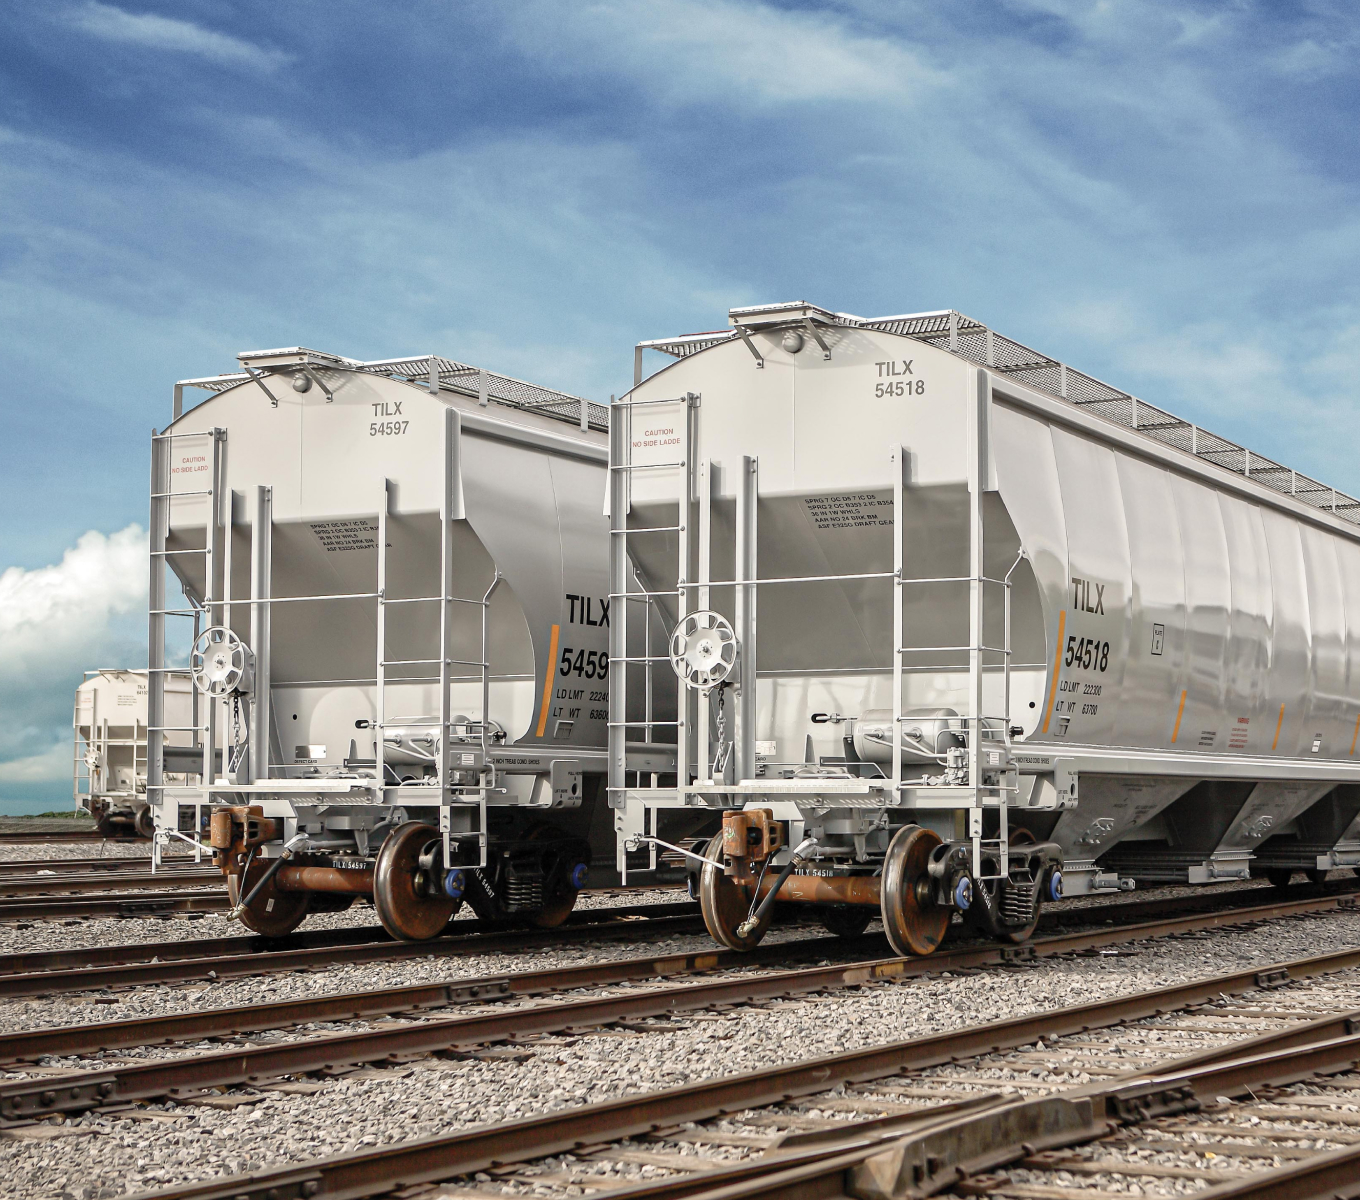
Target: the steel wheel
pixel 846 920
pixel 726 903
pixel 557 905
pixel 1023 837
pixel 330 902
pixel 144 823
pixel 914 923
pixel 272 913
pixel 405 909
pixel 1280 877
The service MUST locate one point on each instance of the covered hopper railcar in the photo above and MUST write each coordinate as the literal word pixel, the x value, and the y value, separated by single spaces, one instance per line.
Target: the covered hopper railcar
pixel 396 618
pixel 109 765
pixel 956 628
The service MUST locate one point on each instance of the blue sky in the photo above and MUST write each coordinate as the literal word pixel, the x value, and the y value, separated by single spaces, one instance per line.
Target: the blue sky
pixel 1163 194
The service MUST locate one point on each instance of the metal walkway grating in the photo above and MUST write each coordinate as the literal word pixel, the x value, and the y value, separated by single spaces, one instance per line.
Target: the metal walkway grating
pixel 957 334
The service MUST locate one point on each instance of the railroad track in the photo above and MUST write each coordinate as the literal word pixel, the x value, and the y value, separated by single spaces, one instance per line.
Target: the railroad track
pixel 190 1074
pixel 132 862
pixel 930 1114
pixel 71 883
pixel 62 837
pixel 209 897
pixel 115 904
pixel 49 972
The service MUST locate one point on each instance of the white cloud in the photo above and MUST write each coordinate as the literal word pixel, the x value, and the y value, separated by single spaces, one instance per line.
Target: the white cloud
pixel 51 765
pixel 706 50
pixel 114 24
pixel 56 622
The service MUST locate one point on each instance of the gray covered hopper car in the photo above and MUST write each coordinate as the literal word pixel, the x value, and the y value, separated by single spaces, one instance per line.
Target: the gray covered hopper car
pixel 109 767
pixel 958 628
pixel 397 624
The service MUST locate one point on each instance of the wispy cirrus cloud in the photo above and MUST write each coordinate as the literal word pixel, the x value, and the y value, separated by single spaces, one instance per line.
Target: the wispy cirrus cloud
pixel 173 35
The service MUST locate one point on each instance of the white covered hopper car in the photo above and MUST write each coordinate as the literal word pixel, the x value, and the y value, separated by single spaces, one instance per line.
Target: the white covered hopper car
pixel 110 739
pixel 957 628
pixel 396 618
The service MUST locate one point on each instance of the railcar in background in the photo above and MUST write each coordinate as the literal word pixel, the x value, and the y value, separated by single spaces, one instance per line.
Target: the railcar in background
pixel 108 770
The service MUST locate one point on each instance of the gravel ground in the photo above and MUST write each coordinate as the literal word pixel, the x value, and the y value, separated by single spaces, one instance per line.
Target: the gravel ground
pixel 75 1009
pixel 24 936
pixel 38 850
pixel 109 1155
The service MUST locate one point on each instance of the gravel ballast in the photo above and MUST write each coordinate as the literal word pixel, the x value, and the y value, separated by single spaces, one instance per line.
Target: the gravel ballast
pixel 107 1155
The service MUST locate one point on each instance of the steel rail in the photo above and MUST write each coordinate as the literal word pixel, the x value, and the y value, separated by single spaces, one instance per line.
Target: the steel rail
pixel 77 965
pixel 85 957
pixel 918 1154
pixel 654 919
pixel 433 1159
pixel 943 1152
pixel 1329 1175
pixel 835 1152
pixel 69 883
pixel 113 904
pixel 61 837
pixel 75 1040
pixel 130 862
pixel 67 1040
pixel 158 1078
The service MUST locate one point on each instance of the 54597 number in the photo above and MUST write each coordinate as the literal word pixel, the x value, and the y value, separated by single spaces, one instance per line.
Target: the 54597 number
pixel 588 664
pixel 1087 653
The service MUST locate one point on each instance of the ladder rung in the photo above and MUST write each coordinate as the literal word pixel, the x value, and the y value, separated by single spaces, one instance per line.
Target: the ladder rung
pixel 179 495
pixel 650 529
pixel 646 403
pixel 427 662
pixel 671 466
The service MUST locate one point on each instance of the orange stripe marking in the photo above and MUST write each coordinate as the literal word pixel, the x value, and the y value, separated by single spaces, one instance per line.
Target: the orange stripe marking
pixel 1357 734
pixel 547 681
pixel 1278 724
pixel 1057 661
pixel 1180 712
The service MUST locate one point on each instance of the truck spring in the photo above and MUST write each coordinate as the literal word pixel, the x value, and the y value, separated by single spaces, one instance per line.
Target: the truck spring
pixel 1017 901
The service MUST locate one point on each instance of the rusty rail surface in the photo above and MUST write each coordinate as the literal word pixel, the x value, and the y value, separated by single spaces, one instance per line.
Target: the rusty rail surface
pixel 183 1076
pixel 263 956
pixel 428 1160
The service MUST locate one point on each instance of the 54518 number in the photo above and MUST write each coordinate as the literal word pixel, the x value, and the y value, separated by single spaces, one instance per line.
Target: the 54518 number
pixel 1087 653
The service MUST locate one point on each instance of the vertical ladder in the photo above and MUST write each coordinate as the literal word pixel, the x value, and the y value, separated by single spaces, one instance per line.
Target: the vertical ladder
pixel 450 510
pixel 975 718
pixel 163 495
pixel 621 579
